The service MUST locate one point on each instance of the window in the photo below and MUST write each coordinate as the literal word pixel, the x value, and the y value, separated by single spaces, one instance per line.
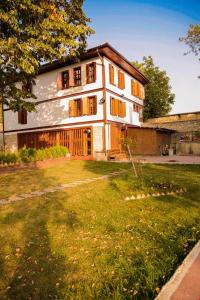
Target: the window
pixel 91 73
pixel 22 116
pixel 117 108
pixel 137 89
pixel 92 105
pixel 65 80
pixel 112 74
pixel 121 80
pixel 77 76
pixel 75 108
pixel 137 108
pixel 82 107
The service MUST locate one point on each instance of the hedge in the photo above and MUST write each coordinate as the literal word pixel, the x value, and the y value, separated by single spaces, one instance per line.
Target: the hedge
pixel 27 155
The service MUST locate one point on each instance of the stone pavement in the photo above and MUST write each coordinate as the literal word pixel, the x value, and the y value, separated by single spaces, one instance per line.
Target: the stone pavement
pixel 61 187
pixel 175 159
pixel 185 283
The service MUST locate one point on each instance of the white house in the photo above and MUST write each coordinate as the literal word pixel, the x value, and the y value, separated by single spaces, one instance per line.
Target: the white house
pixel 84 106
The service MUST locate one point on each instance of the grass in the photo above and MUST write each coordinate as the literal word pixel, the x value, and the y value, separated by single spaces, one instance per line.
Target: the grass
pixel 87 242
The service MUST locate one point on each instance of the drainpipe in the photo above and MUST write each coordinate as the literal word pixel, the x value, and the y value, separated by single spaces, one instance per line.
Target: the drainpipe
pixel 104 97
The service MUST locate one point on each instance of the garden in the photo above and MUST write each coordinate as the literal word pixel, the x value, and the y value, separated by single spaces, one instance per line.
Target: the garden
pixel 88 242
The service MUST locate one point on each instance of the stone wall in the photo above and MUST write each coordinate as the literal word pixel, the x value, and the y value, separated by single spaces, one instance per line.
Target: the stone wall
pixel 184 117
pixel 188 148
pixel 11 143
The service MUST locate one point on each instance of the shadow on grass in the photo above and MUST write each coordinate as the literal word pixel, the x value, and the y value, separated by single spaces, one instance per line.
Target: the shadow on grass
pixel 40 272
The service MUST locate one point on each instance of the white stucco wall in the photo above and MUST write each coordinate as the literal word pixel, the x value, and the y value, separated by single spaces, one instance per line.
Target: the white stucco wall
pixel 131 116
pixel 52 113
pixel 46 84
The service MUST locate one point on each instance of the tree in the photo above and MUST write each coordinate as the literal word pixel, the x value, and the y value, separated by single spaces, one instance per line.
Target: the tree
pixel 192 39
pixel 159 97
pixel 33 32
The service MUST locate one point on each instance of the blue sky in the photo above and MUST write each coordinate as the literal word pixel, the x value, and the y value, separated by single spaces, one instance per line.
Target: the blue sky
pixel 152 27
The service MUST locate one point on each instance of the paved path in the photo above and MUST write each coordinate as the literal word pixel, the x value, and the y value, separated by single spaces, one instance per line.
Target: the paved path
pixel 185 283
pixel 57 188
pixel 175 159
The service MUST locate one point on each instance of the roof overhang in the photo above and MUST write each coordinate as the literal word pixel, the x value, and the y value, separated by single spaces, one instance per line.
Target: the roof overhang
pixel 103 50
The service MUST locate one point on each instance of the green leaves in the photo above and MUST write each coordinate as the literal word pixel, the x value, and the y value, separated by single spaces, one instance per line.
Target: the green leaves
pixel 32 32
pixel 159 97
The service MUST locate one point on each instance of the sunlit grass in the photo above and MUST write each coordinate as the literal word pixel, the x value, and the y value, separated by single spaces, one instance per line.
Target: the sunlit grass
pixel 88 243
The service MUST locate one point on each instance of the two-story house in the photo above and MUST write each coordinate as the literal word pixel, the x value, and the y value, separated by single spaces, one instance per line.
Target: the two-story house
pixel 84 106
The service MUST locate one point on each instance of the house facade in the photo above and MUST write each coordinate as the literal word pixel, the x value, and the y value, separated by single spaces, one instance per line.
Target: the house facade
pixel 83 105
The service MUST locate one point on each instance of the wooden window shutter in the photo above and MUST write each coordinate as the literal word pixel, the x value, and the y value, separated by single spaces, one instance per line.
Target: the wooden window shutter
pixel 112 75
pixel 85 106
pixel 59 81
pixel 123 81
pixel 132 87
pixel 116 107
pixel 120 113
pixel 112 106
pixel 119 79
pixel 72 108
pixel 71 77
pixel 95 71
pixel 19 117
pixel 123 109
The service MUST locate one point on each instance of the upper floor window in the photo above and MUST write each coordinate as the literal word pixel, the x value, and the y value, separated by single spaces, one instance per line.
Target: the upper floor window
pixel 121 80
pixel 77 76
pixel 112 74
pixel 22 116
pixel 65 79
pixel 82 107
pixel 137 107
pixel 92 105
pixel 117 108
pixel 137 89
pixel 91 73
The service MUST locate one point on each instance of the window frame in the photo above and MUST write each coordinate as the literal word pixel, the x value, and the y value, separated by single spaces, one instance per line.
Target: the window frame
pixel 62 76
pixel 91 78
pixel 22 117
pixel 77 76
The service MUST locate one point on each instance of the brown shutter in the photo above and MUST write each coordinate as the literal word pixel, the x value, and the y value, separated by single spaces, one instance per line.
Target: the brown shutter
pixel 59 81
pixel 116 107
pixel 123 81
pixel 71 77
pixel 123 109
pixel 111 106
pixel 95 71
pixel 119 79
pixel 132 87
pixel 87 74
pixel 112 77
pixel 85 106
pixel 72 108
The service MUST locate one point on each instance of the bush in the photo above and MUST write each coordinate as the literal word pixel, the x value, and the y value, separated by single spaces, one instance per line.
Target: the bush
pixel 8 158
pixel 27 155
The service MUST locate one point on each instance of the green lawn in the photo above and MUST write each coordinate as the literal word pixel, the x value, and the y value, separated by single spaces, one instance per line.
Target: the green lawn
pixel 87 242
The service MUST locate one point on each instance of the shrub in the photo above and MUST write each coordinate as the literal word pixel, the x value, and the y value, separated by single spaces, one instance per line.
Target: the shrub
pixel 8 158
pixel 26 155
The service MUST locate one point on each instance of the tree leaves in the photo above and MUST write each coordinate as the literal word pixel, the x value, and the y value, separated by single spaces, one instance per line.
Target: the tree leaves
pixel 159 97
pixel 33 32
